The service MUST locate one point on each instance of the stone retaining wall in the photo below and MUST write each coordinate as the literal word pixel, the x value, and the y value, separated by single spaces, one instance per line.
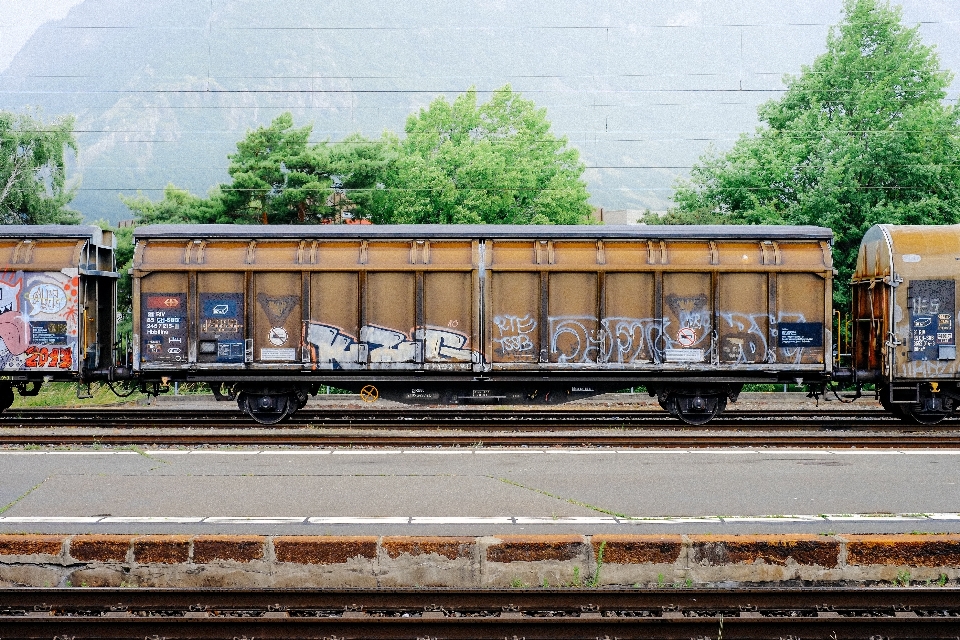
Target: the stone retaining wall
pixel 470 562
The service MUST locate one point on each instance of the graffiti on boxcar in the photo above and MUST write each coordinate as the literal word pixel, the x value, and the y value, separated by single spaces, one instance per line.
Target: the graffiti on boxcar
pixel 744 338
pixel 514 335
pixel 277 308
pixel 387 345
pixel 691 312
pixel 13 328
pixel 55 357
pixel 927 368
pixel 330 344
pixel 38 320
pixel 629 339
pixel 576 339
pixel 444 344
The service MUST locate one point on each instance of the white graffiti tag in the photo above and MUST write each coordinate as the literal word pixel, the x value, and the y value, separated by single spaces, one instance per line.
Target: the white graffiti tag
pixel 691 312
pixel 744 339
pixel 514 335
pixel 574 339
pixel 328 344
pixel 443 344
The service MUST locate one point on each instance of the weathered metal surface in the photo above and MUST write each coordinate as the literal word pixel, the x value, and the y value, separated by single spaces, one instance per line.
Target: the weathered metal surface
pixel 57 305
pixel 904 290
pixel 482 299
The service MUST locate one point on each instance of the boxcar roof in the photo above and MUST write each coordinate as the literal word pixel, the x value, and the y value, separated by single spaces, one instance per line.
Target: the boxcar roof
pixel 452 231
pixel 90 232
pixel 913 251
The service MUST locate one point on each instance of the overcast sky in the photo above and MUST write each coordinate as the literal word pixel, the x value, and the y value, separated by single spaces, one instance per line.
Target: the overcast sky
pixel 19 19
pixel 641 88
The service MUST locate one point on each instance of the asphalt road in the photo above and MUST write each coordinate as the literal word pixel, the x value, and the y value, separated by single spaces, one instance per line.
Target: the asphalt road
pixel 479 491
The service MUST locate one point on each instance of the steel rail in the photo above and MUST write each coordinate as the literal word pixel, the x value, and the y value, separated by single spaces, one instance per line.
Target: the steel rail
pixel 429 414
pixel 448 613
pixel 517 440
pixel 468 419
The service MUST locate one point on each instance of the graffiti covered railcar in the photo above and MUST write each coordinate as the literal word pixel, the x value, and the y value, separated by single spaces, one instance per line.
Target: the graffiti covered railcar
pixel 482 314
pixel 904 334
pixel 57 306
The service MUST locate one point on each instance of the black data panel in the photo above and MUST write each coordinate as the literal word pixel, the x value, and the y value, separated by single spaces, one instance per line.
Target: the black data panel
pixel 164 327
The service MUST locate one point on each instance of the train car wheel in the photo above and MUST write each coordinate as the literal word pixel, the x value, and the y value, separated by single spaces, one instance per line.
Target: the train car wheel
pixel 265 408
pixel 669 406
pixel 6 396
pixel 913 414
pixel 697 409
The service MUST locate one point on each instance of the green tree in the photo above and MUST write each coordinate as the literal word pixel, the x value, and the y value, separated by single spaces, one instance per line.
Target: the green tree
pixel 277 177
pixel 178 206
pixel 32 172
pixel 681 216
pixel 495 163
pixel 860 137
pixel 357 166
pixel 459 163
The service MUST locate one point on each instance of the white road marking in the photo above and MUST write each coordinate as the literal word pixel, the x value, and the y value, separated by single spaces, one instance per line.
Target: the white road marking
pixel 567 520
pixel 55 520
pixel 442 452
pixel 360 520
pixel 487 452
pixel 206 452
pixel 366 452
pixel 863 452
pixel 487 520
pixel 461 520
pixel 149 519
pixel 580 452
pixel 298 452
pixel 236 520
pixel 729 451
pixel 652 451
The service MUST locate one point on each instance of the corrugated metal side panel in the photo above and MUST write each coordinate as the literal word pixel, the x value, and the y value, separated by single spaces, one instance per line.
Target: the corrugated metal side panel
pixel 659 304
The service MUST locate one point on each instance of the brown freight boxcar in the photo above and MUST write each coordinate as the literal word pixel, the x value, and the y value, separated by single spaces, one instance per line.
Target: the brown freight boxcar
pixel 482 314
pixel 57 306
pixel 904 319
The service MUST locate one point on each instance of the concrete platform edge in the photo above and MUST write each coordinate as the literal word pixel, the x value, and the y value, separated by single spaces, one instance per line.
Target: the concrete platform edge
pixel 32 560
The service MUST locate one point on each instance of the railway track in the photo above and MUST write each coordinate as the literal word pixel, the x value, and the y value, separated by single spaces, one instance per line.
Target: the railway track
pixel 460 418
pixel 472 427
pixel 838 613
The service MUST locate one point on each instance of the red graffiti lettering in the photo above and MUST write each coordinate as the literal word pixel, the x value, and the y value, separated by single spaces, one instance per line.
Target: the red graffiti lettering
pixel 55 358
